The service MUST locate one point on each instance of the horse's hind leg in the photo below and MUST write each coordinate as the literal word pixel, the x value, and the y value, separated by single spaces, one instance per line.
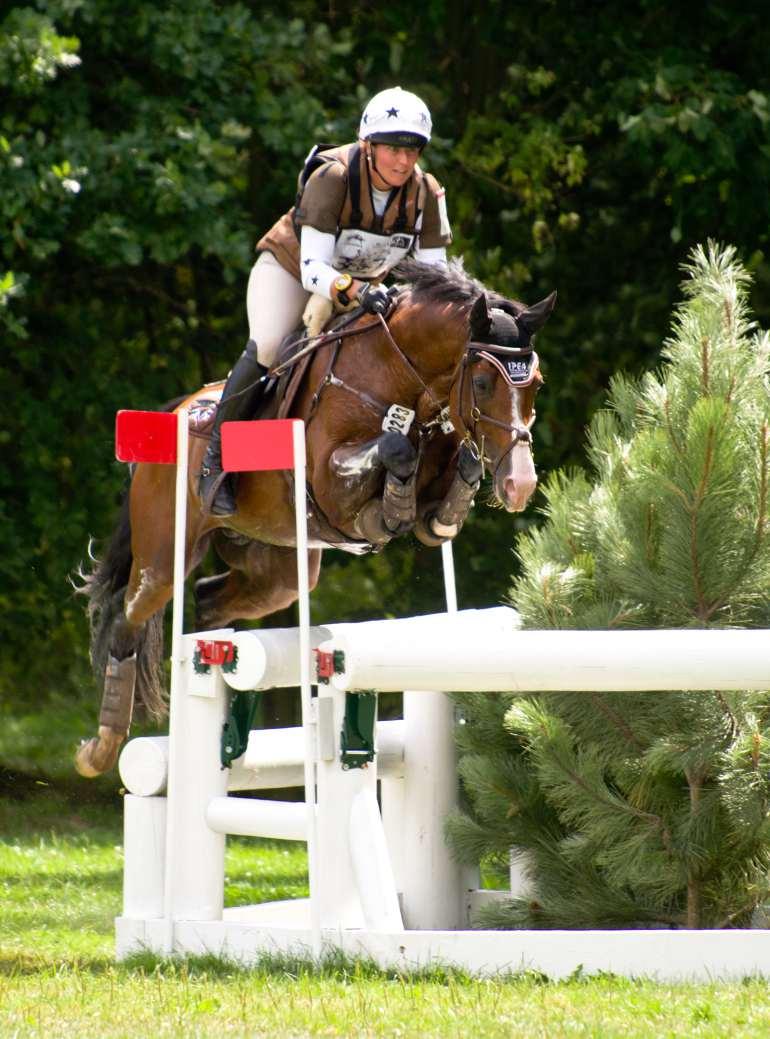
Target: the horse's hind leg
pixel 133 651
pixel 262 580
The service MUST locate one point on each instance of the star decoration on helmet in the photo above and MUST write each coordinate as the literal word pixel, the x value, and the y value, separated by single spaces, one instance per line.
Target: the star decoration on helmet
pixel 392 113
pixel 307 262
pixel 314 280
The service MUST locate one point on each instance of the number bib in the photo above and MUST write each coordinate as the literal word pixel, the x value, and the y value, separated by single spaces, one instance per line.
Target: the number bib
pixel 398 419
pixel 367 255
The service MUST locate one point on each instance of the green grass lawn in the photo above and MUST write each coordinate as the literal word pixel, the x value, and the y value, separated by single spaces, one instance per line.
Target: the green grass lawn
pixel 60 882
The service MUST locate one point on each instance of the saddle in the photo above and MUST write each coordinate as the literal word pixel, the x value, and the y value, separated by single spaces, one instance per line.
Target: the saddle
pixel 284 388
pixel 290 381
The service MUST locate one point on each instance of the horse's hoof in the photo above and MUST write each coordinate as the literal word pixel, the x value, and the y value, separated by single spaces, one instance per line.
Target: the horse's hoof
pixel 99 754
pixel 426 534
pixel 83 762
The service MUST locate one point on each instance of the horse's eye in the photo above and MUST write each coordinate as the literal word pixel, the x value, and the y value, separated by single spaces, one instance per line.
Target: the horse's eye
pixel 483 385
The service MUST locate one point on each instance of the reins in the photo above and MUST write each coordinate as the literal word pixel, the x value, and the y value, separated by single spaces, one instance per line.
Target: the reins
pixel 440 413
pixel 343 332
pixel 315 342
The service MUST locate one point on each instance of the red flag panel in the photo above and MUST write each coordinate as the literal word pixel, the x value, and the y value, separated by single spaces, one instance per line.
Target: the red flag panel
pixel 260 444
pixel 145 436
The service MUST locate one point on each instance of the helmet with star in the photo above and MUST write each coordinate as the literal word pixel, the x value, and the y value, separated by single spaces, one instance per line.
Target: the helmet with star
pixel 396 117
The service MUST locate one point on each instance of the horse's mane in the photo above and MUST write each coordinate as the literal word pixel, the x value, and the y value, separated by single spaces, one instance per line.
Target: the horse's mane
pixel 450 283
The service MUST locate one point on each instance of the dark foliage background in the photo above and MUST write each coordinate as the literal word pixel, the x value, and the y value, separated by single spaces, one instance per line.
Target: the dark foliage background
pixel 144 147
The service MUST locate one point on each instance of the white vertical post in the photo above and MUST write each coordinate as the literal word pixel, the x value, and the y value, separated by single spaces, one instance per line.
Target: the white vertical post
pixel 338 892
pixel 393 799
pixel 308 726
pixel 470 875
pixel 450 588
pixel 196 880
pixel 432 882
pixel 177 623
pixel 144 856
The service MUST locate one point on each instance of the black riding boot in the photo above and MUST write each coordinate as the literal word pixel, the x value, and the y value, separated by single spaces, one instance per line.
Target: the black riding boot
pixel 243 391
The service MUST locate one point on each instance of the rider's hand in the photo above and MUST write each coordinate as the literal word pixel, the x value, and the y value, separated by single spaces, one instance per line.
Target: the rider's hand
pixel 375 299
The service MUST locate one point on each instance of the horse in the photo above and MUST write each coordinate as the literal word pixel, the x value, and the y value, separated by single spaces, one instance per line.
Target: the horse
pixel 402 418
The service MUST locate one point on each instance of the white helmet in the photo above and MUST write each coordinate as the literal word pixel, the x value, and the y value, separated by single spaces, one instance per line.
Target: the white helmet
pixel 395 116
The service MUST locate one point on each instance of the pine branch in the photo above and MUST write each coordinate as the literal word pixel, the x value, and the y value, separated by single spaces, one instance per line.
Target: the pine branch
pixel 704 363
pixel 616 805
pixel 735 729
pixel 694 880
pixel 744 910
pixel 615 719
pixel 677 446
pixel 704 611
pixel 763 481
pixel 731 388
pixel 753 551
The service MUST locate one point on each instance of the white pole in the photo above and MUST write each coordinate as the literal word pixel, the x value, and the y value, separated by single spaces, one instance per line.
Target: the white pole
pixel 470 875
pixel 177 663
pixel 432 881
pixel 303 591
pixel 450 588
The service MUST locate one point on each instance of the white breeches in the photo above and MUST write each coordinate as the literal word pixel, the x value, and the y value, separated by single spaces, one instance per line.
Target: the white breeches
pixel 275 302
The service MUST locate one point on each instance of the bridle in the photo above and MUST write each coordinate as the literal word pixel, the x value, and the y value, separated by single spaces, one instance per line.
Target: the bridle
pixel 520 434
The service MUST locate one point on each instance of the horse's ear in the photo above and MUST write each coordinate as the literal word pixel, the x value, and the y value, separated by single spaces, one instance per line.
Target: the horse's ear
pixel 534 317
pixel 479 320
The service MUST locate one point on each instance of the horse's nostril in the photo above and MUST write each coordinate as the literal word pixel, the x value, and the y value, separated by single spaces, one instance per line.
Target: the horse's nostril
pixel 516 493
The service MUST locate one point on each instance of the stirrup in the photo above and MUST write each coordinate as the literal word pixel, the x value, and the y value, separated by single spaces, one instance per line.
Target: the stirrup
pixel 217 498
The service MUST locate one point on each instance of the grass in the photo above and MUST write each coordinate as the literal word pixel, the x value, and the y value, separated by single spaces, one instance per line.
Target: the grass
pixel 60 881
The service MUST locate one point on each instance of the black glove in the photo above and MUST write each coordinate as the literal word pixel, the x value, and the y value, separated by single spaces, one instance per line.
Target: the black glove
pixel 375 299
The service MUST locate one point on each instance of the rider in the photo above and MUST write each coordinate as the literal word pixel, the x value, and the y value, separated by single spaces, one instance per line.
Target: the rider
pixel 360 209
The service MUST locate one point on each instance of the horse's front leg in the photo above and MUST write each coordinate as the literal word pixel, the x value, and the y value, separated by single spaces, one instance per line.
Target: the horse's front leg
pixel 381 518
pixel 441 521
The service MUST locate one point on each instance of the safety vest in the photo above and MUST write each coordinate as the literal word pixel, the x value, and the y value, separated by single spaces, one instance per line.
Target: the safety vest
pixel 366 245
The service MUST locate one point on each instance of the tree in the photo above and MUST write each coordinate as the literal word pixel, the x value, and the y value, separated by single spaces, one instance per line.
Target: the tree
pixel 639 807
pixel 141 149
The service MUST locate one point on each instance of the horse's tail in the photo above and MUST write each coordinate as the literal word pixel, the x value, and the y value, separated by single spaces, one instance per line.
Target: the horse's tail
pixel 104 586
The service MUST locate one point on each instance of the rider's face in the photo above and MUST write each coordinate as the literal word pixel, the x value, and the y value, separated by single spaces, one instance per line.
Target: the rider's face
pixel 392 166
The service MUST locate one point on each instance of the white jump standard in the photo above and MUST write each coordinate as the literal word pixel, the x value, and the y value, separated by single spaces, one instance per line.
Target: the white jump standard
pixel 385 886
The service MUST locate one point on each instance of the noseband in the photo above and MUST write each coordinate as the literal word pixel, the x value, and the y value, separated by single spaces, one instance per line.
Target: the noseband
pixel 528 366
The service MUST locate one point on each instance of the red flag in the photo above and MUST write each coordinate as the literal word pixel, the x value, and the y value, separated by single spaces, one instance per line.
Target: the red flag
pixel 260 444
pixel 145 436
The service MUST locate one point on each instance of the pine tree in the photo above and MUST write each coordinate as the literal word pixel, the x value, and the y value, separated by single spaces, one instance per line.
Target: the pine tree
pixel 643 809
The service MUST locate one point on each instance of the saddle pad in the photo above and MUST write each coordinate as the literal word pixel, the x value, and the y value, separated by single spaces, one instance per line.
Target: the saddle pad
pixel 202 410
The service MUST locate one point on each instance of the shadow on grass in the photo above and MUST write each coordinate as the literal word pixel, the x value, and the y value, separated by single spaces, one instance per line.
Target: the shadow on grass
pixel 31 805
pixel 332 966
